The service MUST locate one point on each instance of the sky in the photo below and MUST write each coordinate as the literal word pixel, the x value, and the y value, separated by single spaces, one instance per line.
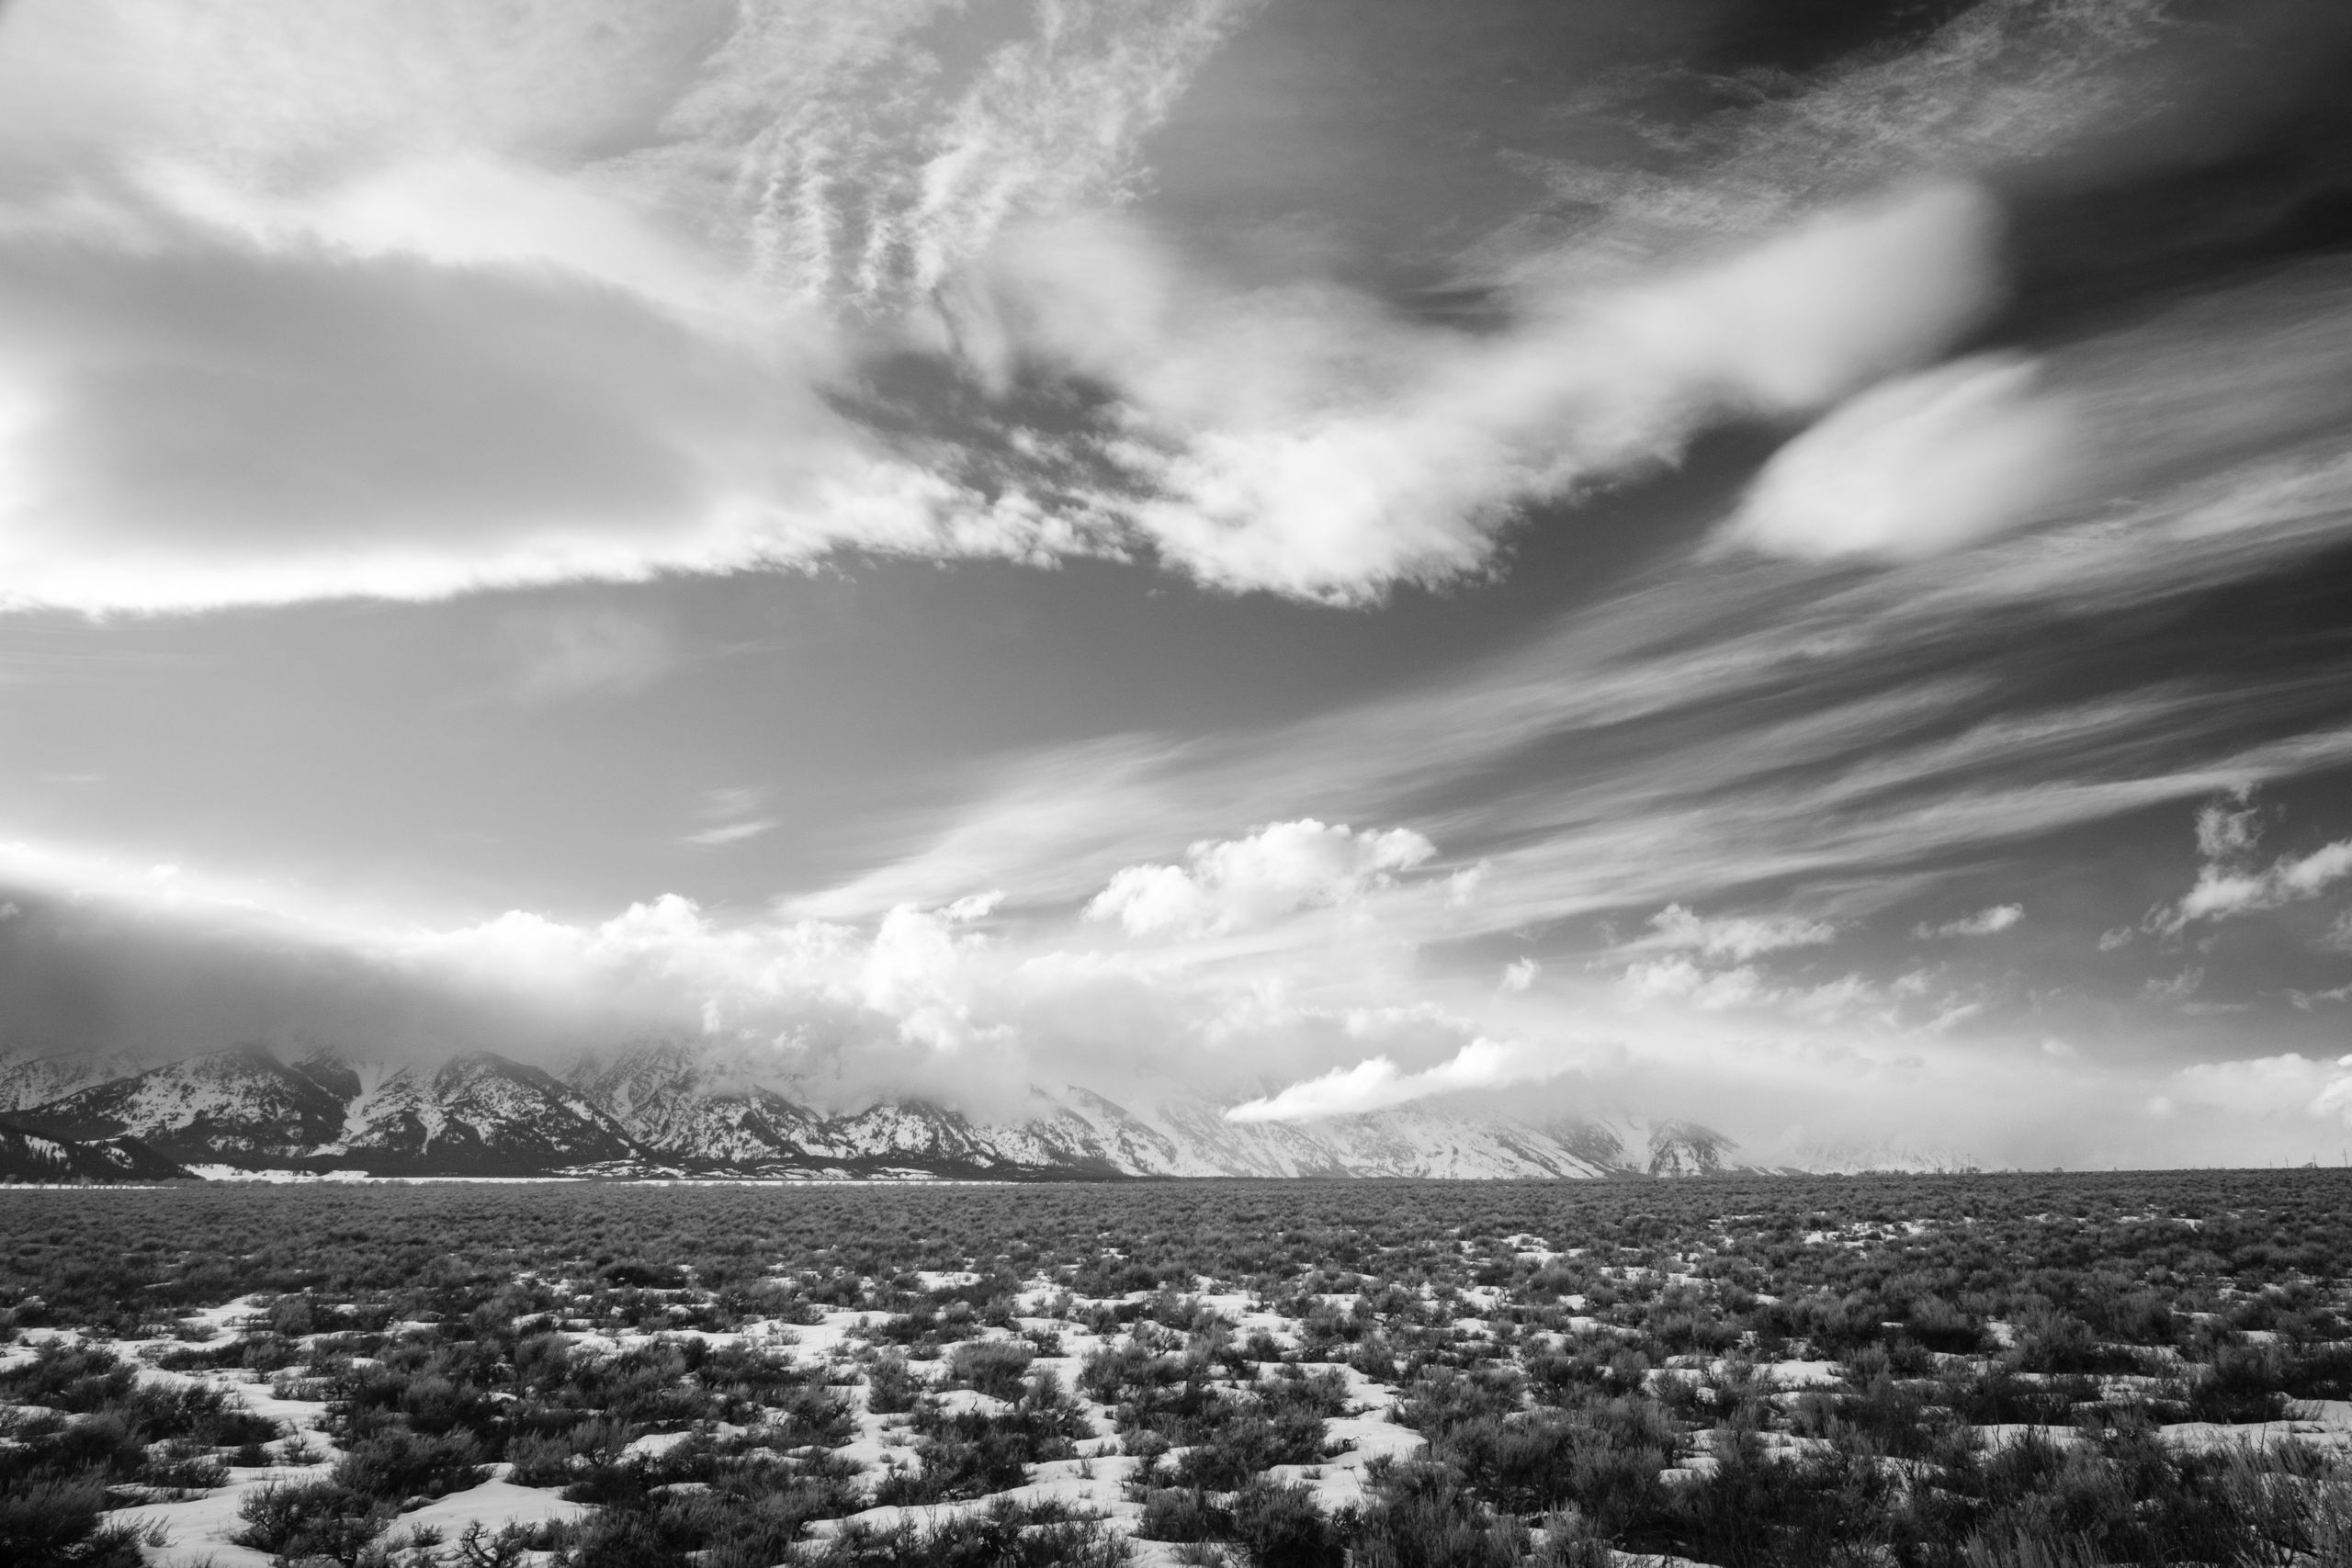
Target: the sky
pixel 1787 564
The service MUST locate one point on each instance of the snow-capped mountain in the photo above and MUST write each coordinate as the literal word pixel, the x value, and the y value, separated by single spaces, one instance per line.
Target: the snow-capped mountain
pixel 27 1081
pixel 239 1106
pixel 30 1156
pixel 662 1106
pixel 1855 1158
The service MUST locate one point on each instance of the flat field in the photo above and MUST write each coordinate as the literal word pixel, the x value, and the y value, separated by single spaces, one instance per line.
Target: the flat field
pixel 1978 1370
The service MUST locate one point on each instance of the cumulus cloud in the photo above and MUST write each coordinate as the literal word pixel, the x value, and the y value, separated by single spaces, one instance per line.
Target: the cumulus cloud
pixel 1916 466
pixel 1735 936
pixel 1242 883
pixel 2222 894
pixel 2229 884
pixel 2285 1085
pixel 1984 922
pixel 1377 1084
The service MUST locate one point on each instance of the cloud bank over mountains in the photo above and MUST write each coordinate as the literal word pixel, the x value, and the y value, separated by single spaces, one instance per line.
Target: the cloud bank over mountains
pixel 1325 997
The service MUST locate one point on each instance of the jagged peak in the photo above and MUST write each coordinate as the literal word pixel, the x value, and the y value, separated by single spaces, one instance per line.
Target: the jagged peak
pixel 693 1107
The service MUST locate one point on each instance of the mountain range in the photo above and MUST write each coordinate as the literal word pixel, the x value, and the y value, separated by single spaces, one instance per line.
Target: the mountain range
pixel 661 1109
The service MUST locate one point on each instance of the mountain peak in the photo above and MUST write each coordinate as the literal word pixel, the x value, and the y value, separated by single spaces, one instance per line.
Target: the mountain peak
pixel 659 1106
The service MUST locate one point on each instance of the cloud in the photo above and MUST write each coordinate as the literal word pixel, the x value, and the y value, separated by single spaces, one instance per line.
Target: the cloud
pixel 1737 937
pixel 2222 833
pixel 1984 922
pixel 1520 973
pixel 565 653
pixel 196 422
pixel 727 833
pixel 2222 894
pixel 2228 886
pixel 667 251
pixel 733 815
pixel 2280 1087
pixel 2339 936
pixel 879 163
pixel 1916 466
pixel 1242 883
pixel 1377 1084
pixel 405 301
pixel 969 1002
pixel 1309 442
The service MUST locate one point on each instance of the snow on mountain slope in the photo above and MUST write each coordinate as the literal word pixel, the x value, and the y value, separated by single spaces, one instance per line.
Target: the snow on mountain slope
pixel 237 1104
pixel 27 1080
pixel 660 1106
pixel 30 1156
pixel 676 1102
pixel 1854 1159
pixel 478 1114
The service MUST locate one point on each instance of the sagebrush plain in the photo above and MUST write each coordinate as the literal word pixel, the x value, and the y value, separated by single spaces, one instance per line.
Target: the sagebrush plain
pixel 2134 1367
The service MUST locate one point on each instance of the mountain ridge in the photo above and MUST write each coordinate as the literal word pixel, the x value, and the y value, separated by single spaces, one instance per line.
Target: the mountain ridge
pixel 658 1108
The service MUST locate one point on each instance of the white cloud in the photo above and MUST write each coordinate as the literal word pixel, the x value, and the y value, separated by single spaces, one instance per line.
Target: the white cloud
pixel 1311 443
pixel 727 833
pixel 1377 1084
pixel 1520 973
pixel 1915 466
pixel 2222 833
pixel 2224 892
pixel 968 1003
pixel 646 240
pixel 2284 1086
pixel 1984 922
pixel 733 816
pixel 1680 980
pixel 2229 884
pixel 407 301
pixel 1242 883
pixel 1735 936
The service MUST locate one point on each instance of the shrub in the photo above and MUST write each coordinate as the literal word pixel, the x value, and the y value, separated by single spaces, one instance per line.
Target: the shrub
pixel 891 1389
pixel 1280 1526
pixel 398 1464
pixel 1233 1452
pixel 319 1519
pixel 55 1524
pixel 182 1466
pixel 993 1367
pixel 1003 1536
pixel 1181 1514
pixel 1420 1516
